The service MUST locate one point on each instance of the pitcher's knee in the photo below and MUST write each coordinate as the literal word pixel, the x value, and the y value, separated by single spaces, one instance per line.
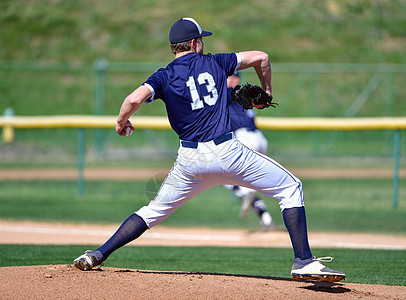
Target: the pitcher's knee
pixel 152 215
pixel 293 196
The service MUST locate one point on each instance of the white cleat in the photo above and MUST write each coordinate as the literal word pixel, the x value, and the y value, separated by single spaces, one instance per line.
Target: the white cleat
pixel 89 260
pixel 313 269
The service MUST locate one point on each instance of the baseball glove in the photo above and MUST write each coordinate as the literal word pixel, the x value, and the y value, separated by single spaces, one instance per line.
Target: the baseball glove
pixel 248 95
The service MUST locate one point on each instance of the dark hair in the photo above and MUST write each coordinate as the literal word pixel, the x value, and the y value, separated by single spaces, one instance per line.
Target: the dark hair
pixel 181 47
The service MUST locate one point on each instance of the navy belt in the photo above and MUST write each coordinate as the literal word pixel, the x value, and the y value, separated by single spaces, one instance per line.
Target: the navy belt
pixel 217 141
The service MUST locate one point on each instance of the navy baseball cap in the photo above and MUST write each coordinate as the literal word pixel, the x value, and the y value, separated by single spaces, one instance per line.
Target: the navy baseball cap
pixel 186 29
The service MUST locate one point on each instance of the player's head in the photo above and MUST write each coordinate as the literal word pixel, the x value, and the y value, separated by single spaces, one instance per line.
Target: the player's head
pixel 233 80
pixel 185 35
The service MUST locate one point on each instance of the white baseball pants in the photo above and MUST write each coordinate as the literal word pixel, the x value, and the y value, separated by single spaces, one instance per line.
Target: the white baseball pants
pixel 196 170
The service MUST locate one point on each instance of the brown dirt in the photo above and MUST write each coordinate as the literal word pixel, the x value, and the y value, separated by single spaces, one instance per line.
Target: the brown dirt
pixel 67 282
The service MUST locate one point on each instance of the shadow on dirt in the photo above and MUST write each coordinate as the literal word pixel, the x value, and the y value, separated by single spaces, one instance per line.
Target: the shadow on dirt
pixel 334 288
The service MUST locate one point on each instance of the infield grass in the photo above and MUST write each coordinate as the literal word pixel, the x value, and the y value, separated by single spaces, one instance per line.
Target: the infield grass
pixel 388 268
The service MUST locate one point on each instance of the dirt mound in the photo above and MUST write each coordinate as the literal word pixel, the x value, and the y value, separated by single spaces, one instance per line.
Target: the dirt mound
pixel 67 282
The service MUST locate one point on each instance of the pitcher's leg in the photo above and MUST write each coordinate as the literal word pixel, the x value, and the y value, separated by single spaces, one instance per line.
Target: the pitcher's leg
pixel 295 222
pixel 133 227
pixel 173 193
pixel 268 177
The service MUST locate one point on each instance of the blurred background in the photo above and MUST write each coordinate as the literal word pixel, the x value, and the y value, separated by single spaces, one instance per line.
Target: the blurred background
pixel 341 59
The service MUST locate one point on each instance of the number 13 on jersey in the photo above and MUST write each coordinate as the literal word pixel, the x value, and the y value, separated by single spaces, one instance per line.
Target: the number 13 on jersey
pixel 203 79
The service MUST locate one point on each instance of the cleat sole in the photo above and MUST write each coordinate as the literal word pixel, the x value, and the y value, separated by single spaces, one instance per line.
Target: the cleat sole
pixel 82 264
pixel 322 278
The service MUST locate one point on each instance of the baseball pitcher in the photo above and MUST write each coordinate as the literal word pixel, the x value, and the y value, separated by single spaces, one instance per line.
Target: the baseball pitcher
pixel 194 89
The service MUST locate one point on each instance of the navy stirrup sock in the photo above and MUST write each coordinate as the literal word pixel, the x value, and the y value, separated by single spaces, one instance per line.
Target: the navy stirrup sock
pixel 295 222
pixel 131 229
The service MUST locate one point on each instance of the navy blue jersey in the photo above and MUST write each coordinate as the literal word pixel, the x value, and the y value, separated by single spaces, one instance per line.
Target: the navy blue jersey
pixel 240 117
pixel 194 89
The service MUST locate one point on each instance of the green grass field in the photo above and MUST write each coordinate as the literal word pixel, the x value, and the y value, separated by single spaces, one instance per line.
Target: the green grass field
pixel 344 31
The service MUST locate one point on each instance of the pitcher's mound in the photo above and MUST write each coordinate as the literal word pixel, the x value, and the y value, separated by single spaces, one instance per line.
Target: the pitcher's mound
pixel 67 282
